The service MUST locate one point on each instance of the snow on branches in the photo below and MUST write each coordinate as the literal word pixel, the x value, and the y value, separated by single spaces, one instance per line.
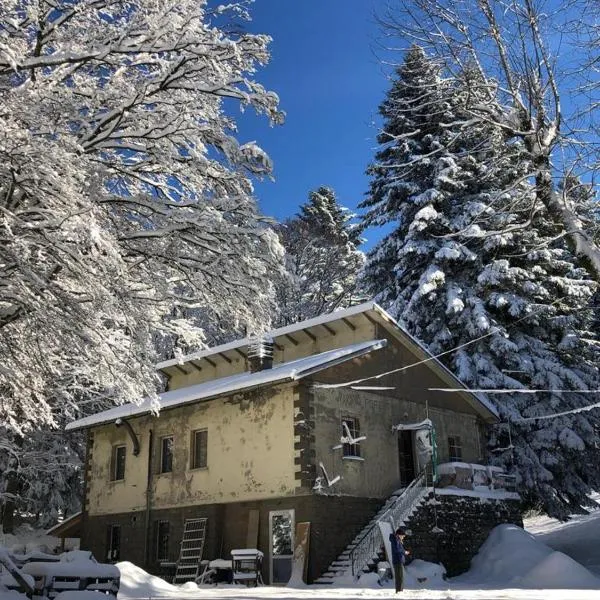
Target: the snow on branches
pixel 483 281
pixel 125 198
pixel 123 192
pixel 322 259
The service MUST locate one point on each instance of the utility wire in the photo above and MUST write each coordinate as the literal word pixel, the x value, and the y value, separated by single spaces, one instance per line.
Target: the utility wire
pixel 511 391
pixel 433 357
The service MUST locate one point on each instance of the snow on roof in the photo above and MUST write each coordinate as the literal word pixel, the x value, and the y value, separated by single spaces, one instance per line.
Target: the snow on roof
pixel 289 371
pixel 320 320
pixel 67 524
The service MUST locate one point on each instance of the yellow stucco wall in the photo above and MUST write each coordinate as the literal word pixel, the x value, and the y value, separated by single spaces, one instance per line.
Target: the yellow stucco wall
pixel 344 336
pixel 250 455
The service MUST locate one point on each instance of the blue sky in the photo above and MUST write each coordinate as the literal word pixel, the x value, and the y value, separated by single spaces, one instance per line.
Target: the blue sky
pixel 325 69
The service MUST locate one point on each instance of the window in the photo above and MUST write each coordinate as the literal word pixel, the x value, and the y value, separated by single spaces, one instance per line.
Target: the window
pixel 113 545
pixel 117 471
pixel 454 448
pixel 199 449
pixel 350 431
pixel 166 454
pixel 162 540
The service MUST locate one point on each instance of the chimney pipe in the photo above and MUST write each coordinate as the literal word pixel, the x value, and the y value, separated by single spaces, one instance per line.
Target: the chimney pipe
pixel 260 355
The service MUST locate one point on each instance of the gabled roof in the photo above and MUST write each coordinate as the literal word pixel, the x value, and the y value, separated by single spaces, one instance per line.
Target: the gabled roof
pixel 281 373
pixel 328 325
pixel 69 528
pixel 312 328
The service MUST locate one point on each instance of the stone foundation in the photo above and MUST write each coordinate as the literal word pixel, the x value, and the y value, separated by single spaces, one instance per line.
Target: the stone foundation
pixel 465 522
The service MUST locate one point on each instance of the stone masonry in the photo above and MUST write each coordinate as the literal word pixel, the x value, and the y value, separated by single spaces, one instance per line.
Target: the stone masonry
pixel 450 529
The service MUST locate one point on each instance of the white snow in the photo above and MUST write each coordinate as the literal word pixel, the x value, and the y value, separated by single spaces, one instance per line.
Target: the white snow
pixel 485 494
pixel 26 539
pixel 136 583
pixel 512 557
pixel 579 538
pixel 289 371
pixel 512 565
pixel 425 424
pixel 424 581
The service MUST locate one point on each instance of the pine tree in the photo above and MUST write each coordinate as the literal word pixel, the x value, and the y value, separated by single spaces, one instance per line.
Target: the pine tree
pixel 322 259
pixel 468 259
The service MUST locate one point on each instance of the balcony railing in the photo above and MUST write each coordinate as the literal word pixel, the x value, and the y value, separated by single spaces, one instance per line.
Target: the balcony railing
pixel 370 544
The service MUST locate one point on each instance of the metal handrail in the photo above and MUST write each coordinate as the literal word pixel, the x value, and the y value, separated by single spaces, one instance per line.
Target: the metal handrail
pixel 368 546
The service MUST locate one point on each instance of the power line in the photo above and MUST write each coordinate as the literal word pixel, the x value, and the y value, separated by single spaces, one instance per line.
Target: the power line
pixel 573 411
pixel 512 391
pixel 404 368
pixel 433 357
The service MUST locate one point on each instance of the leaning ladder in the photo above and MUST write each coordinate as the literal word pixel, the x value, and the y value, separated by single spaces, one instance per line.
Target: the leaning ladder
pixel 190 554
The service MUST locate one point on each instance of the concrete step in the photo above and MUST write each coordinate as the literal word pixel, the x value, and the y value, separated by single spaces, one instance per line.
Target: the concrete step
pixel 337 570
pixel 328 575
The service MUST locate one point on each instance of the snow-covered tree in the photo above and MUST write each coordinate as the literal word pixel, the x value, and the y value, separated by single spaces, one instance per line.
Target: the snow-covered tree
pixel 125 197
pixel 512 45
pixel 468 262
pixel 322 259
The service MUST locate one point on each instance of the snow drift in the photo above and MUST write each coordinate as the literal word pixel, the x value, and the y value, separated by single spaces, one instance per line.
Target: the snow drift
pixel 137 583
pixel 512 557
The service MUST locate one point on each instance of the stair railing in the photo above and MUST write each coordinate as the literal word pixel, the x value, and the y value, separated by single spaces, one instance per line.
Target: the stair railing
pixel 370 544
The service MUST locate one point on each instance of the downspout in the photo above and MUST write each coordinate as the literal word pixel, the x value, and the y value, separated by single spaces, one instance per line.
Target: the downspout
pixel 148 500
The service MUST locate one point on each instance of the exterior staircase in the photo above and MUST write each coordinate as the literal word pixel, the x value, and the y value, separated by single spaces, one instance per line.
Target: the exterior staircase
pixel 365 550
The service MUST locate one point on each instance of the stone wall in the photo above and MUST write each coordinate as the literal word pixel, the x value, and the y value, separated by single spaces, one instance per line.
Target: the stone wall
pixel 465 523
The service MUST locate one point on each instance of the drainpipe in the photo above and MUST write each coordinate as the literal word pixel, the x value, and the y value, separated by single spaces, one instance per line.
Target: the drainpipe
pixel 148 501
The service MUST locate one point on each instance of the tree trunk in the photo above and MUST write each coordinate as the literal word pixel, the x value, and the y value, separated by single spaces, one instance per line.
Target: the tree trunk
pixel 8 512
pixel 578 239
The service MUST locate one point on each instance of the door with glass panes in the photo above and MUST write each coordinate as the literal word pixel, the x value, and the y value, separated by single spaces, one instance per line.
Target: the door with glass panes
pixel 281 535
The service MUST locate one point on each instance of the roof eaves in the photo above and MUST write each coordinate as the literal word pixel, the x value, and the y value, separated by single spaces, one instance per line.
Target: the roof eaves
pixel 281 331
pixel 113 414
pixel 484 402
pixel 74 426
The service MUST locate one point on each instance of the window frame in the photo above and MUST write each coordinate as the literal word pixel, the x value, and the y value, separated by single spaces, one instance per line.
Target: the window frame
pixel 351 450
pixel 113 553
pixel 162 544
pixel 193 454
pixel 161 465
pixel 114 470
pixel 455 448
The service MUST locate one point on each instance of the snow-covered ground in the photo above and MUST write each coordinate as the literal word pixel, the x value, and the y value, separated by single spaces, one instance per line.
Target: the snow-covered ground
pixel 27 539
pixel 512 565
pixel 579 538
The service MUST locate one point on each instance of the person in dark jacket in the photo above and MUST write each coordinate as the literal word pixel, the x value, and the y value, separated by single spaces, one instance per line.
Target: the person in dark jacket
pixel 398 557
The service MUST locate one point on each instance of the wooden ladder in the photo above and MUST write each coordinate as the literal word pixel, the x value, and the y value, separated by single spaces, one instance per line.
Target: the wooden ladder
pixel 190 553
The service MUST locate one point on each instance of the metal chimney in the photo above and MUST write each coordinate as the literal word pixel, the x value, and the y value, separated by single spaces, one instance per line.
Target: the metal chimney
pixel 260 354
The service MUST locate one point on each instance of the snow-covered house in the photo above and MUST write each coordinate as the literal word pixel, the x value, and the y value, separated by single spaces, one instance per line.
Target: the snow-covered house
pixel 256 441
